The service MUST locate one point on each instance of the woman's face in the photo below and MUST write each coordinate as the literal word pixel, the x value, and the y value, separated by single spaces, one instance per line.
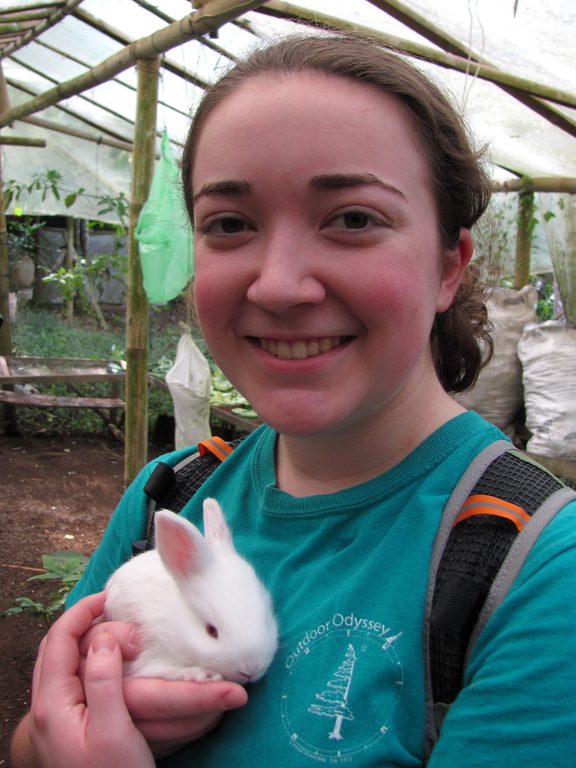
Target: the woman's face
pixel 319 268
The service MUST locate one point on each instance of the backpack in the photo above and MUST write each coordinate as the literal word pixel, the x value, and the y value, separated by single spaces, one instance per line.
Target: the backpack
pixel 494 515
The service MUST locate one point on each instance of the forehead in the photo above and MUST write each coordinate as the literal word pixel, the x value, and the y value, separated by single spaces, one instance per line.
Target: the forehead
pixel 316 116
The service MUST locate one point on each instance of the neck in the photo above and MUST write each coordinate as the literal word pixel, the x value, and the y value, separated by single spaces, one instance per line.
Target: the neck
pixel 327 463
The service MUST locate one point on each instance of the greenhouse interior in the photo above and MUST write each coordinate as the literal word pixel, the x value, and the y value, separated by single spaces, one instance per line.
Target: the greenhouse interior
pixel 96 98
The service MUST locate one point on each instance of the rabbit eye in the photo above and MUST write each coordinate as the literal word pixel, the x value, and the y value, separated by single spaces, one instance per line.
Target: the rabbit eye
pixel 212 631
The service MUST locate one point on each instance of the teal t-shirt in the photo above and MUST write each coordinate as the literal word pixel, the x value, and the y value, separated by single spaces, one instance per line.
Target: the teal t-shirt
pixel 348 574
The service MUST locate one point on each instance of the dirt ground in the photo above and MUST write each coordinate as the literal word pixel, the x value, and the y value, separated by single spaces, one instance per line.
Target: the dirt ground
pixel 56 493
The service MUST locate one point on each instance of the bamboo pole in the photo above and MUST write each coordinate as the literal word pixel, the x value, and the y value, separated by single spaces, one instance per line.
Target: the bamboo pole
pixel 21 141
pixel 9 411
pixel 137 302
pixel 525 229
pixel 450 60
pixel 82 96
pixel 169 19
pixel 72 113
pixel 559 184
pixel 50 125
pixel 121 37
pixel 122 83
pixel 209 18
pixel 423 26
pixel 5 334
pixel 69 263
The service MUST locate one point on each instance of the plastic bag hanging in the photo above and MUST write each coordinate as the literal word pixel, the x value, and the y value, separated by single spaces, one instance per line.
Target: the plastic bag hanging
pixel 189 381
pixel 164 233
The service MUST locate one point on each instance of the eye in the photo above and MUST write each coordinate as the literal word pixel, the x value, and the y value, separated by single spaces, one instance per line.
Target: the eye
pixel 224 225
pixel 356 219
pixel 212 631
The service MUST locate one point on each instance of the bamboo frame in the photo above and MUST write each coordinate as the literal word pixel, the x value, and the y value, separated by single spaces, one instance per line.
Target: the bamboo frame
pixel 169 19
pixel 82 96
pixel 537 184
pixel 528 89
pixel 63 10
pixel 124 39
pixel 530 98
pixel 76 115
pixel 210 17
pixel 50 125
pixel 122 83
pixel 22 141
pixel 525 228
pixel 8 410
pixel 137 309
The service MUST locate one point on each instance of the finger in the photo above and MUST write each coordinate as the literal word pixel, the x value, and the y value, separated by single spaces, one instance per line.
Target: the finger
pixel 155 699
pixel 60 653
pixel 164 732
pixel 127 635
pixel 103 685
pixel 37 668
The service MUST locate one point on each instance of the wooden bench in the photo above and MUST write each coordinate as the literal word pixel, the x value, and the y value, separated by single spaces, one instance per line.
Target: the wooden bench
pixel 59 401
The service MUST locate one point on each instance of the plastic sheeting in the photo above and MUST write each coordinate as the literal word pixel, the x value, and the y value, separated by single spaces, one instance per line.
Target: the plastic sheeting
pixel 525 37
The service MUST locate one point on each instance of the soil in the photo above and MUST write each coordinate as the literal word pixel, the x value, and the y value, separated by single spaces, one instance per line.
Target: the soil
pixel 56 493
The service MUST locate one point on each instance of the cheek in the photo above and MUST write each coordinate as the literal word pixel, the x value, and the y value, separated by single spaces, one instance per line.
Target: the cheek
pixel 207 301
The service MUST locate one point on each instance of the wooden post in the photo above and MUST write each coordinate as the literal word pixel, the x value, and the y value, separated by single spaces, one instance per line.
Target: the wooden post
pixel 68 264
pixel 137 302
pixel 524 238
pixel 9 412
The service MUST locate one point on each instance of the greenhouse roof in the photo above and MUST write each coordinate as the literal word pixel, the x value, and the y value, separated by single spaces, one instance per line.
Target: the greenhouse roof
pixel 521 99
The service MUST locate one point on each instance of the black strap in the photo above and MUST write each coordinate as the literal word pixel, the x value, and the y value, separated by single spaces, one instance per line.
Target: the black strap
pixel 472 557
pixel 173 487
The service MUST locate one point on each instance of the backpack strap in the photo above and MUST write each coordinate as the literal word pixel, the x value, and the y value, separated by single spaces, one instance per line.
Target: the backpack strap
pixel 172 487
pixel 495 514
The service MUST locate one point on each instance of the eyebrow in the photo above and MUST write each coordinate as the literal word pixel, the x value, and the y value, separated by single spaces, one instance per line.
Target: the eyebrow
pixel 321 183
pixel 332 181
pixel 227 187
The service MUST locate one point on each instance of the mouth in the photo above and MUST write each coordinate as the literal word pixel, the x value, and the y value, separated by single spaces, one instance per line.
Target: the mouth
pixel 302 348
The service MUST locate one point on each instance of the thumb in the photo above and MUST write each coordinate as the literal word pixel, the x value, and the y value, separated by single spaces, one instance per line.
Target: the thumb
pixel 103 683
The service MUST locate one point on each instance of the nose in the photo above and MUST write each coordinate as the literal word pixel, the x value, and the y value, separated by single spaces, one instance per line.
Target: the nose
pixel 286 276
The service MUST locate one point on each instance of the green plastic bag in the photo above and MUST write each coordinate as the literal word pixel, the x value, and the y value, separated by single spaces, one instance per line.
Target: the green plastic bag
pixel 164 233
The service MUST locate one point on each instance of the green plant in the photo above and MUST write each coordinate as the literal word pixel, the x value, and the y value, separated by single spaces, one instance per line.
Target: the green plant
pixel 72 281
pixel 64 567
pixel 21 234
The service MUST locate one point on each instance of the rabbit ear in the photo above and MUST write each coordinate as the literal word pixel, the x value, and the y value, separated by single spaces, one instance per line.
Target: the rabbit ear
pixel 180 545
pixel 216 529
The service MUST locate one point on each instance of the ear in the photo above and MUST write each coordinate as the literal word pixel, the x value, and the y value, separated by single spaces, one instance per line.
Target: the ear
pixel 454 263
pixel 180 545
pixel 215 527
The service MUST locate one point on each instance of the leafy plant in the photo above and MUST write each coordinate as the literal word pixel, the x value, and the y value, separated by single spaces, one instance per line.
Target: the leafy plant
pixel 22 234
pixel 64 567
pixel 72 281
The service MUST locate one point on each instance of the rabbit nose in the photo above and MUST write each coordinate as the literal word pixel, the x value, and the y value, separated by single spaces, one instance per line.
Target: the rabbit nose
pixel 245 676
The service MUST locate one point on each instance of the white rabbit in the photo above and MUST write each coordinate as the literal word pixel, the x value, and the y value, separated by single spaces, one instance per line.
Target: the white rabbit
pixel 202 611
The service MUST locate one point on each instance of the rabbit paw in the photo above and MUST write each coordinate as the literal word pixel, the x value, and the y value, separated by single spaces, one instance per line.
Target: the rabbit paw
pixel 200 675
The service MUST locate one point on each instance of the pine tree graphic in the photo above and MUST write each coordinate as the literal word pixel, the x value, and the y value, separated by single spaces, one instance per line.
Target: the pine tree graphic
pixel 335 698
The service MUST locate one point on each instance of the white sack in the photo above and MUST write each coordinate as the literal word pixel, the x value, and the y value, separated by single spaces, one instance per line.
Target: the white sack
pixel 548 355
pixel 189 383
pixel 497 395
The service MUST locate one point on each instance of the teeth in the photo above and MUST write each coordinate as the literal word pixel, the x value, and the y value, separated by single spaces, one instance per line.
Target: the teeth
pixel 299 350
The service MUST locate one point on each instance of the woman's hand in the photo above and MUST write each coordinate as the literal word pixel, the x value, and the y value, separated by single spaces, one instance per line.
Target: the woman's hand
pixel 83 712
pixel 74 722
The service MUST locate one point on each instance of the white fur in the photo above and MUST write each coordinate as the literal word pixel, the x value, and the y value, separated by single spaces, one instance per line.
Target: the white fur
pixel 190 582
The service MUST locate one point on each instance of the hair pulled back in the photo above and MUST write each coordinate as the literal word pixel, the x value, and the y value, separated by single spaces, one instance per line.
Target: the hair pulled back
pixel 460 338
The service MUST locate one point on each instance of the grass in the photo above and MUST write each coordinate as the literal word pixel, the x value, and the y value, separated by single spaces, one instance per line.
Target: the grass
pixel 44 333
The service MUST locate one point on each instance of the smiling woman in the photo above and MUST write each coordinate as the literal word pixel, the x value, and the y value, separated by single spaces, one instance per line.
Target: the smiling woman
pixel 332 189
pixel 332 204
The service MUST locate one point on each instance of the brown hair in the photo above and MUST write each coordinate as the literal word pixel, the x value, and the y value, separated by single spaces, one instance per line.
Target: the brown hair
pixel 460 338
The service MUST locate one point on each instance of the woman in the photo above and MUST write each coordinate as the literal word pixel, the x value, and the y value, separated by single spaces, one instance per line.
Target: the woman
pixel 332 190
